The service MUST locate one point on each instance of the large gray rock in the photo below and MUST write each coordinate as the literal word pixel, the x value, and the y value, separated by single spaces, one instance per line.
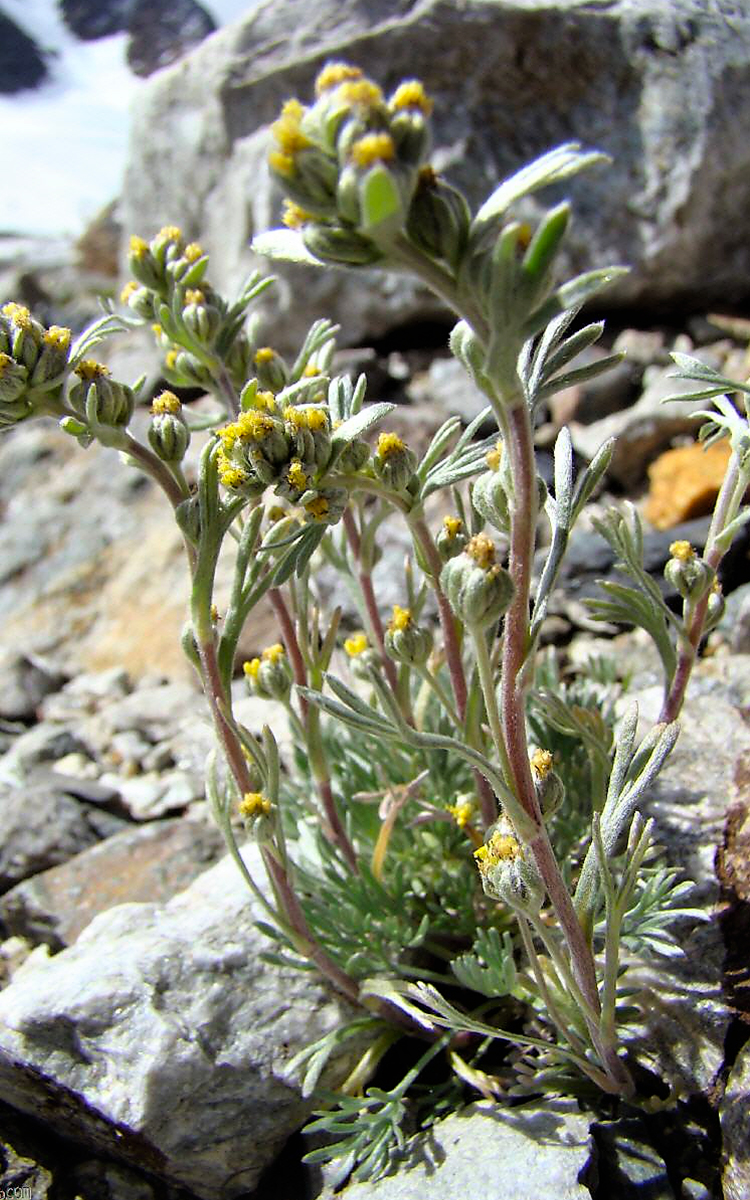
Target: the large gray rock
pixel 663 88
pixel 162 1037
pixel 735 1128
pixel 492 1153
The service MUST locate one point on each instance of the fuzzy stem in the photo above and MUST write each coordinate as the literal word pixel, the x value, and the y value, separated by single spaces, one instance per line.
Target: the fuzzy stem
pixel 368 595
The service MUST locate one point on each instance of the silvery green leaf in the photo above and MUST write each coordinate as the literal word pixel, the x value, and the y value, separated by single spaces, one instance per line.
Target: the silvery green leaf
pixel 284 245
pixel 554 167
pixel 589 478
pixel 578 375
pixel 575 293
pixel 360 423
pixel 728 534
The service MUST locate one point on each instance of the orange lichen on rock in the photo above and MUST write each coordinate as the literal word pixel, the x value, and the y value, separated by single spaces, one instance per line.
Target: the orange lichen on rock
pixel 685 482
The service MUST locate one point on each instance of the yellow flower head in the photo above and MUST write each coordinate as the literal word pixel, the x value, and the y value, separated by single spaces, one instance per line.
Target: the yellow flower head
pixel 58 336
pixel 194 296
pixel 5 362
pixel 130 287
pixel 251 426
pixel 273 653
pixel 253 804
pixel 251 668
pixel 313 419
pixel 372 148
pixel 282 164
pixel 166 402
pixel 293 216
pixel 192 252
pixel 169 233
pixel 88 369
pixel 360 93
pixel 494 457
pixel 453 526
pixel 682 551
pixel 482 549
pixel 138 246
pixel 231 476
pixel 356 644
pixel 264 354
pixel 462 813
pixel 501 847
pixel 170 359
pixel 541 763
pixel 411 94
pixel 287 130
pixel 401 619
pixel 333 74
pixel 18 314
pixel 296 475
pixel 388 445
pixel 318 508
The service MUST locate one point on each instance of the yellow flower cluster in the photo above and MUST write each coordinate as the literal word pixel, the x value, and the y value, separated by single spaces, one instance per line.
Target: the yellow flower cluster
pixel 356 644
pixel 402 619
pixel 502 847
pixel 253 804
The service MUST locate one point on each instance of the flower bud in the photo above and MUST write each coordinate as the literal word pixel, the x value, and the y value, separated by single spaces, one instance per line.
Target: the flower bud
pixel 185 370
pixel 13 382
pixel 506 874
pixel 438 219
pixel 689 575
pixel 353 456
pixel 254 806
pixel 715 608
pixel 143 265
pixel 168 432
pixel 98 398
pixel 25 334
pixel 404 641
pixel 479 590
pixel 451 539
pixel 270 368
pixel 139 298
pixel 53 358
pixel 550 788
pixel 202 314
pixel 270 676
pixel 394 462
pixel 335 244
pixel 327 506
pixel 410 109
pixel 308 427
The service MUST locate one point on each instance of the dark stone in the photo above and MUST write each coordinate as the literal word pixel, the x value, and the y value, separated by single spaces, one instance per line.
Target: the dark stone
pixel 92 19
pixel 22 63
pixel 160 34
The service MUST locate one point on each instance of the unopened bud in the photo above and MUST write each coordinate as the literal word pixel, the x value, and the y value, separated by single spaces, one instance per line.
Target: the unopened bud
pixel 406 642
pixel 394 462
pixel 479 590
pixel 451 539
pixel 438 219
pixel 688 574
pixel 168 432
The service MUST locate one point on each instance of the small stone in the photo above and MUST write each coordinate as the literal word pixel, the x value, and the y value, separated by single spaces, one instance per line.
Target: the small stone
pixel 149 863
pixel 155 794
pixel 24 682
pixel 41 828
pixel 685 482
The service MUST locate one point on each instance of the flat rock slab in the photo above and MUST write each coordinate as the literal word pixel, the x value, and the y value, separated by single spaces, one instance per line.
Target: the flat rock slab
pixel 150 863
pixel 484 1153
pixel 162 1037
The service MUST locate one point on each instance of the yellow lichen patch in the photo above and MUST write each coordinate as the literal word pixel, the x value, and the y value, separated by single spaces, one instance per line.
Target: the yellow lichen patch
pixel 411 94
pixel 273 653
pixel 296 475
pixel 333 74
pixel 166 402
pixel 482 549
pixel 685 482
pixel 541 763
pixel 682 551
pixel 58 336
pixel 360 93
pixel 130 287
pixel 253 804
pixel 294 216
pixel 372 148
pixel 89 368
pixel 356 644
pixel 138 246
pixel 402 619
pixel 453 526
pixel 388 445
pixel 192 252
pixel 494 457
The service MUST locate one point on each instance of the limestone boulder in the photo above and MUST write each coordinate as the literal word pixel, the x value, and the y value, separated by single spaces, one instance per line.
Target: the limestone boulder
pixel 663 88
